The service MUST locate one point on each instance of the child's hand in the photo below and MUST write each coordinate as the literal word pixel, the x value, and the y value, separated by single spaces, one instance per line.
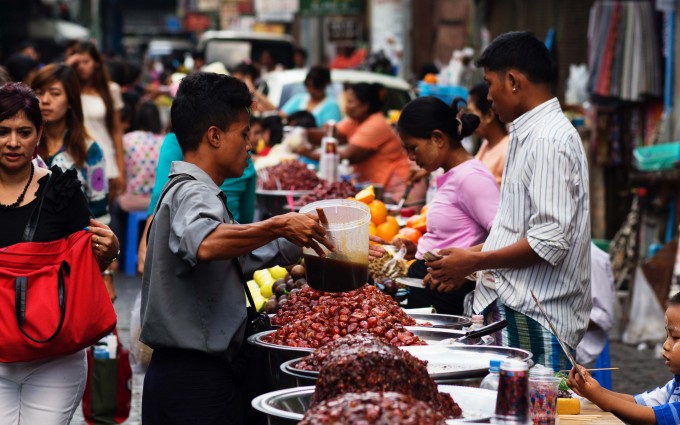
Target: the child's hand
pixel 582 383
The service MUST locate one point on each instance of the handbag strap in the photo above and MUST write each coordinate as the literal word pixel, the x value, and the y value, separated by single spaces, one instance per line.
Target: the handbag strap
pixel 184 177
pixel 179 178
pixel 32 225
pixel 239 269
pixel 21 293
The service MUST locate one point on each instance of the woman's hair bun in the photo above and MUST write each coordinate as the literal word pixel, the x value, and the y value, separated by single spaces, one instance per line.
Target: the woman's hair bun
pixel 470 124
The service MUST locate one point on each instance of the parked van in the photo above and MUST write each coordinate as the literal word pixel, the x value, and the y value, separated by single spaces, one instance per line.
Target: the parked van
pixel 233 47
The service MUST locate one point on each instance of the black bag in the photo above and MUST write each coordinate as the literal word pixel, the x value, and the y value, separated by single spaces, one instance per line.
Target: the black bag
pixel 257 322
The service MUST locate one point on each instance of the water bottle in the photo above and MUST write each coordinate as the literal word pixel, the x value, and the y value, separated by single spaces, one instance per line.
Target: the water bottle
pixel 490 381
pixel 329 158
pixel 512 401
pixel 345 171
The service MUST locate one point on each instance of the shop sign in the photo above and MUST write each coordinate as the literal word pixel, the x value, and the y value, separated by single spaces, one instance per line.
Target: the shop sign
pixel 207 5
pixel 330 7
pixel 195 21
pixel 343 30
pixel 276 10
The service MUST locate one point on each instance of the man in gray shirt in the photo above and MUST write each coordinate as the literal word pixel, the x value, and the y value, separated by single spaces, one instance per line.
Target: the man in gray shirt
pixel 193 302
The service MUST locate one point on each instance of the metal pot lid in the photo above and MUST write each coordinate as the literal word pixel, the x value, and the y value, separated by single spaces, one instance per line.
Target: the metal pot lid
pixel 451 361
pixel 257 340
pixel 441 320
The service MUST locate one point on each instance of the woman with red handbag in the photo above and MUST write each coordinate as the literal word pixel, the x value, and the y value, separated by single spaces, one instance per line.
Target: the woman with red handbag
pixel 48 390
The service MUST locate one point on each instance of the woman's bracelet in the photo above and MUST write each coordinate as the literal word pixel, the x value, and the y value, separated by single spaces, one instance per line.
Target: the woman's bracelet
pixel 113 259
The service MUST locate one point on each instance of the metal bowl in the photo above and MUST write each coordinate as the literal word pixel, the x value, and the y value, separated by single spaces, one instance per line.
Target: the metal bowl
pixel 448 321
pixel 287 407
pixel 278 354
pixel 442 336
pixel 445 364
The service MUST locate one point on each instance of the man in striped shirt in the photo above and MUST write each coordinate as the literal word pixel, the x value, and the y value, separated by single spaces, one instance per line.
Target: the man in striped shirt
pixel 540 238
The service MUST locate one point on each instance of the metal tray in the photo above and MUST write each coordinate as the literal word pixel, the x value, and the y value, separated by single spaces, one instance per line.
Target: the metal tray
pixel 441 320
pixel 443 363
pixel 449 362
pixel 442 336
pixel 288 406
pixel 448 321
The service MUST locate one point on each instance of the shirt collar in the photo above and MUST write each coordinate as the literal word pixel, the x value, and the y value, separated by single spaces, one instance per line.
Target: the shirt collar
pixel 182 167
pixel 523 125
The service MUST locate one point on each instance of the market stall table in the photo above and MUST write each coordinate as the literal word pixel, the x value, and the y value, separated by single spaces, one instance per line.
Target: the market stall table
pixel 591 415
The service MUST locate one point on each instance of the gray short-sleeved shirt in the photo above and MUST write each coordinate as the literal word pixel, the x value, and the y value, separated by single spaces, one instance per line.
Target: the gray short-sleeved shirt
pixel 190 304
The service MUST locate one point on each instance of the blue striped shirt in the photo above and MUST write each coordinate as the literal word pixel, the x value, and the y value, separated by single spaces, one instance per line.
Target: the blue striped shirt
pixel 544 198
pixel 665 401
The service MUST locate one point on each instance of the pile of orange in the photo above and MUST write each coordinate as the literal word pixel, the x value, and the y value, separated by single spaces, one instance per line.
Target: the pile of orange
pixel 382 225
pixel 385 226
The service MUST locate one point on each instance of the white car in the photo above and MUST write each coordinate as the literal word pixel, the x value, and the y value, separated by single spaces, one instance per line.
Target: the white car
pixel 279 86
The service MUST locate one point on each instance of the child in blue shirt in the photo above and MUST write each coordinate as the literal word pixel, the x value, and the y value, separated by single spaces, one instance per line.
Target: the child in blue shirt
pixel 660 406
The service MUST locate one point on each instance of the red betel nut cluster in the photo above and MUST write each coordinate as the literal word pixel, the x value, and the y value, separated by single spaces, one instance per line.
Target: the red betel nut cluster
pixel 312 318
pixel 380 367
pixel 371 408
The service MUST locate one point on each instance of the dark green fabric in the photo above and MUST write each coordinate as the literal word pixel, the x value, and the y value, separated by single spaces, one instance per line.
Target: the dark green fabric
pixel 103 384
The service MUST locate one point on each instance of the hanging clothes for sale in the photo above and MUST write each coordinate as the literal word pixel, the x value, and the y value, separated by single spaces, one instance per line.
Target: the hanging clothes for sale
pixel 624 50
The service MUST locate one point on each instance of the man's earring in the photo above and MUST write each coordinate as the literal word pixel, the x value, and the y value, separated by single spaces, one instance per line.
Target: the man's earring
pixel 514 89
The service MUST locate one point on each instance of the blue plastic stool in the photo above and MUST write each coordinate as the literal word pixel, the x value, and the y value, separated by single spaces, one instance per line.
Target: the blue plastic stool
pixel 604 377
pixel 132 241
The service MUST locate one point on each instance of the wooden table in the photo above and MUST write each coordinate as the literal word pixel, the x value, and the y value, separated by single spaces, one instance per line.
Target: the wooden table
pixel 590 415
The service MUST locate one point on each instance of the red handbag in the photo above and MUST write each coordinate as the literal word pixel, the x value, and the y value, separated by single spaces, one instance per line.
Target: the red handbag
pixel 54 300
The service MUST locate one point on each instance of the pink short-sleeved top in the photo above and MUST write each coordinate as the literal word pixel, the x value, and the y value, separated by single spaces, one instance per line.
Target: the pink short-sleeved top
pixel 462 210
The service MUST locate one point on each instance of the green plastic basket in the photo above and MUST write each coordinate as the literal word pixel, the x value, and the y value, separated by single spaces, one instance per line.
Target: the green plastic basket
pixel 603 244
pixel 657 157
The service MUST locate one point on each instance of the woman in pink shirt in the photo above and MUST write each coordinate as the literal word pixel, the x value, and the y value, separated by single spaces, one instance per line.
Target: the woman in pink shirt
pixel 491 130
pixel 465 203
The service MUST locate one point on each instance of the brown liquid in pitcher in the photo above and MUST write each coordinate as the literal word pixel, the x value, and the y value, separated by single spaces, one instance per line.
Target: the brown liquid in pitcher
pixel 329 275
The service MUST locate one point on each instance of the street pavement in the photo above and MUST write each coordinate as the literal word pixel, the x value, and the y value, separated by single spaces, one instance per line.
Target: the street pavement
pixel 640 370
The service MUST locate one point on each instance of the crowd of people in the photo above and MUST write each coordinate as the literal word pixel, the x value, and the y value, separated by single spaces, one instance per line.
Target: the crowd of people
pixel 516 214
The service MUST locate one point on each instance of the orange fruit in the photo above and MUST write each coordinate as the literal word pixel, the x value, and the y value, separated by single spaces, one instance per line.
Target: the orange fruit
pixel 378 212
pixel 371 229
pixel 408 233
pixel 418 222
pixel 388 229
pixel 367 195
pixel 424 209
pixel 430 78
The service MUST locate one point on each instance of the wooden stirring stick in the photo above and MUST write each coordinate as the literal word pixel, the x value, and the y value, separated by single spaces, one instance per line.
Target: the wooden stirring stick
pixel 593 370
pixel 322 217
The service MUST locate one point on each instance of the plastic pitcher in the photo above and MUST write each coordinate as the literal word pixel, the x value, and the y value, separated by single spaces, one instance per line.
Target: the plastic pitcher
pixel 346 268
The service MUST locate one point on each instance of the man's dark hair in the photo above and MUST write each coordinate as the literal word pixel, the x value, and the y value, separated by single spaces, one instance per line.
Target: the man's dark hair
pixel 518 50
pixel 302 119
pixel 274 125
pixel 319 77
pixel 206 99
pixel 674 300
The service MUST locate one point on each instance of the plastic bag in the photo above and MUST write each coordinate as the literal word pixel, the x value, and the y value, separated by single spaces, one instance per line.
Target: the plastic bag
pixel 646 321
pixel 577 83
pixel 140 353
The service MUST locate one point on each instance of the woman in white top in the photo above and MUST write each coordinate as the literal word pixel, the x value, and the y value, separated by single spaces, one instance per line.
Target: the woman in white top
pixel 102 102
